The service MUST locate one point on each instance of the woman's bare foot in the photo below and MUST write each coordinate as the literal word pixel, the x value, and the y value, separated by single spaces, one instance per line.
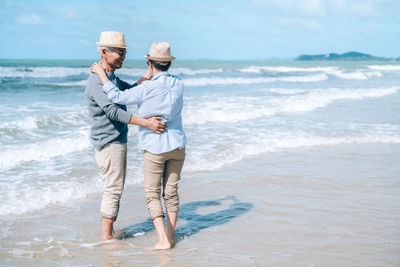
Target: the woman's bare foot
pixel 120 235
pixel 171 238
pixel 172 242
pixel 163 244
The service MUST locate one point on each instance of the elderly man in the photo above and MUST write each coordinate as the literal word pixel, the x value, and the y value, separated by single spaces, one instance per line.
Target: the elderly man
pixel 109 128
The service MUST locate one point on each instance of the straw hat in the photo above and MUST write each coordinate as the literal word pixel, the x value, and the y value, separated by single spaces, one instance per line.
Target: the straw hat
pixel 160 51
pixel 112 39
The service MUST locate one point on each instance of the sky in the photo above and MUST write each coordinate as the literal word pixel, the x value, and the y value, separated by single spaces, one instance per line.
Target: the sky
pixel 210 29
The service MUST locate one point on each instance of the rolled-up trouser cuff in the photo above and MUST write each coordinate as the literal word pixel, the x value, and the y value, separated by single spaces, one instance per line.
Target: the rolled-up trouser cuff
pixel 106 216
pixel 112 161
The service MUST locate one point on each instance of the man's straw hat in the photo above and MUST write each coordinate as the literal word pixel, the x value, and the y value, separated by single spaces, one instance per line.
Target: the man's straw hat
pixel 112 39
pixel 160 51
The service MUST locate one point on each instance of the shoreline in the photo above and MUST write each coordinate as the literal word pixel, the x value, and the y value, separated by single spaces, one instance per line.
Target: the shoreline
pixel 327 205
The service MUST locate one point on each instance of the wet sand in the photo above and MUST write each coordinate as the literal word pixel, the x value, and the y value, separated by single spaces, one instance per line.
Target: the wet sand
pixel 321 206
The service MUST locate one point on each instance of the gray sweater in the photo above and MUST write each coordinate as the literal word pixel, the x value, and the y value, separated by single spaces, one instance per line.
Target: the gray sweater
pixel 108 120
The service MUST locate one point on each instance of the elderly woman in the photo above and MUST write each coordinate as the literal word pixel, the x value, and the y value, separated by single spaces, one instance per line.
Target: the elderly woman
pixel 157 93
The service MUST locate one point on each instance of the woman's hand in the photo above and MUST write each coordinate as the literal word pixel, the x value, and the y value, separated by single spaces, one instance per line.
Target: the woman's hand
pixel 98 69
pixel 148 74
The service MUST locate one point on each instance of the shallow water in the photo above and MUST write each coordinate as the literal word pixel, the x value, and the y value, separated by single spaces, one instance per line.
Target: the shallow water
pixel 325 206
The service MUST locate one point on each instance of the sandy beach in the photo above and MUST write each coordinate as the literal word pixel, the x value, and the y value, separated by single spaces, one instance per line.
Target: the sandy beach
pixel 323 206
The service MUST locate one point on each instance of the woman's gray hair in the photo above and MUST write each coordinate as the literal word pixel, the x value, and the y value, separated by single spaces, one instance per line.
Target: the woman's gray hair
pixel 100 48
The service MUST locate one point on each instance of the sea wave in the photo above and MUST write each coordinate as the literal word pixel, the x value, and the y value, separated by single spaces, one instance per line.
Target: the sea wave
pixel 226 109
pixel 356 75
pixel 28 197
pixel 11 156
pixel 59 72
pixel 188 71
pixel 336 71
pixel 52 118
pixel 202 81
pixel 268 141
pixel 259 69
pixel 41 72
pixel 175 71
pixel 81 83
pixel 35 194
pixel 255 80
pixel 385 67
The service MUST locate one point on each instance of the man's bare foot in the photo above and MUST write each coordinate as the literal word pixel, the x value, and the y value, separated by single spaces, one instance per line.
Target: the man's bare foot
pixel 106 237
pixel 162 245
pixel 106 229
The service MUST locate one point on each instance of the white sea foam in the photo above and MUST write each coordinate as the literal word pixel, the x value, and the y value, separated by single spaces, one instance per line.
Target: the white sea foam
pixel 262 141
pixel 12 156
pixel 258 69
pixel 172 70
pixel 356 75
pixel 23 194
pixel 188 71
pixel 385 67
pixel 41 72
pixel 28 123
pixel 29 196
pixel 254 80
pixel 58 116
pixel 341 73
pixel 131 71
pixel 286 91
pixel 77 83
pixel 225 109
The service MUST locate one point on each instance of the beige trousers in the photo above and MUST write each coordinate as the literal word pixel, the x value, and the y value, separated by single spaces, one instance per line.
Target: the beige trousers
pixel 162 170
pixel 111 159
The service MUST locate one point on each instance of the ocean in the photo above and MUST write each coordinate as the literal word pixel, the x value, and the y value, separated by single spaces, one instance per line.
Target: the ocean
pixel 232 110
pixel 289 163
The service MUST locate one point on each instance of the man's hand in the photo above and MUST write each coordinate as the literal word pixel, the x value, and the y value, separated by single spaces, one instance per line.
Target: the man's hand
pixel 156 125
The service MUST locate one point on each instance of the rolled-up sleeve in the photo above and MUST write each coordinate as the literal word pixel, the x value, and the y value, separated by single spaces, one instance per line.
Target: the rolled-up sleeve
pixel 112 111
pixel 134 95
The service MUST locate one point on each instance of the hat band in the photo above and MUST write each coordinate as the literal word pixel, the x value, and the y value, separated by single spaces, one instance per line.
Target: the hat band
pixel 160 58
pixel 111 45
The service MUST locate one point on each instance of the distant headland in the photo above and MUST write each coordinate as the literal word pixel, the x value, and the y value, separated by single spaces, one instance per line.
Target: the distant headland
pixel 349 56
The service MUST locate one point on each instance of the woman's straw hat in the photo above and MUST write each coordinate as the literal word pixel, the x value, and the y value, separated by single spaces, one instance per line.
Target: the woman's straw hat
pixel 112 39
pixel 160 51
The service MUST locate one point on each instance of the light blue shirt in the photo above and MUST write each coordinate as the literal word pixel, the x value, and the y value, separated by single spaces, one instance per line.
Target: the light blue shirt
pixel 162 95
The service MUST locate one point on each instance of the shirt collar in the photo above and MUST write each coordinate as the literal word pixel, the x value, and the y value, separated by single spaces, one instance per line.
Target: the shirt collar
pixel 110 75
pixel 160 74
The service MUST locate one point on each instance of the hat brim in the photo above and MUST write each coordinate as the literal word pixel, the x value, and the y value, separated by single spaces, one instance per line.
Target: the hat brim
pixel 162 59
pixel 111 45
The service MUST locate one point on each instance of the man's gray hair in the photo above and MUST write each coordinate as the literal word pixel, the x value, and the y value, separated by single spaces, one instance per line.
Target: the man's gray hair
pixel 100 48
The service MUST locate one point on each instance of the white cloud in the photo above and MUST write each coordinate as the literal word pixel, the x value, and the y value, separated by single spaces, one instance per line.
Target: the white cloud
pixel 304 7
pixel 364 8
pixel 69 14
pixel 301 24
pixel 31 19
pixel 324 7
pixel 85 42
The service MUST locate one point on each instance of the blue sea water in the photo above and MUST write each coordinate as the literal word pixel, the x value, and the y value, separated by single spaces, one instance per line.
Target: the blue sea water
pixel 232 110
